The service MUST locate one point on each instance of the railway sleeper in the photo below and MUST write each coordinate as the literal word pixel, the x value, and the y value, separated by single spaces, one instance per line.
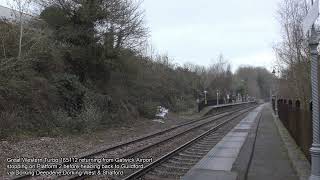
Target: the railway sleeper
pixel 167 173
pixel 179 166
pixel 205 143
pixel 196 149
pixel 185 159
pixel 200 148
pixel 190 155
pixel 188 151
pixel 154 177
pixel 182 162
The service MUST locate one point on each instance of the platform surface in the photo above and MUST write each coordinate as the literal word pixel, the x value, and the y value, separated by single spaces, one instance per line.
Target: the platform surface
pixel 270 157
pixel 248 151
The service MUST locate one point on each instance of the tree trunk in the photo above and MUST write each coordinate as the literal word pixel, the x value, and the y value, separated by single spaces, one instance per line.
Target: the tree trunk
pixel 4 50
pixel 21 34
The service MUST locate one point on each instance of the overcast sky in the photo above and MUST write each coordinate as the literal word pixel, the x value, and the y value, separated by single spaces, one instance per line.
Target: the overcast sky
pixel 244 31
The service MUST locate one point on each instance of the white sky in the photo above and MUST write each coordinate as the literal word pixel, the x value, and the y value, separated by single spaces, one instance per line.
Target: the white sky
pixel 197 31
pixel 244 31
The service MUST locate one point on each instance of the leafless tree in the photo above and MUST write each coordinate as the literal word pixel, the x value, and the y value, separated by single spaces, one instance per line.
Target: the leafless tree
pixel 21 9
pixel 292 51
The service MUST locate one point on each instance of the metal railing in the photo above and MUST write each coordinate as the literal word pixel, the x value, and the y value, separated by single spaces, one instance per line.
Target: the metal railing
pixel 298 121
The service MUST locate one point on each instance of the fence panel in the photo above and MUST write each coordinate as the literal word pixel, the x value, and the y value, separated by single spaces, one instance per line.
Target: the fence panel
pixel 298 121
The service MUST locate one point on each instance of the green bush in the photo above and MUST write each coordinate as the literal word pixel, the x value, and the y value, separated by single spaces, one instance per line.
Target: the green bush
pixel 72 93
pixel 184 104
pixel 148 109
pixel 89 118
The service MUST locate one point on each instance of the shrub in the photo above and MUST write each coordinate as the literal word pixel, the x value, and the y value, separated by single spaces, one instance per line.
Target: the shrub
pixel 148 109
pixel 89 118
pixel 8 121
pixel 183 104
pixel 72 93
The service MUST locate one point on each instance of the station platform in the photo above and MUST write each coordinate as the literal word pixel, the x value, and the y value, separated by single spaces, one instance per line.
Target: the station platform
pixel 253 150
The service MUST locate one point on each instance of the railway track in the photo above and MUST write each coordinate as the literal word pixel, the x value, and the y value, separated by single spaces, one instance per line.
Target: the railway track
pixel 129 149
pixel 176 143
pixel 179 161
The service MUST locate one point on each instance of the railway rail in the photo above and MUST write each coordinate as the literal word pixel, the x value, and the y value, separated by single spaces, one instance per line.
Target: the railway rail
pixel 130 148
pixel 167 143
pixel 177 162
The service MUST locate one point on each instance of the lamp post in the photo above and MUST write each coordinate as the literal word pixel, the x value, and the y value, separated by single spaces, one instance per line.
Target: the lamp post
pixel 198 103
pixel 217 97
pixel 205 97
pixel 276 94
pixel 307 25
pixel 315 149
pixel 228 98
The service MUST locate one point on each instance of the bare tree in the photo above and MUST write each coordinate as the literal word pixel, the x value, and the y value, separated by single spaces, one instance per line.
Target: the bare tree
pixel 217 76
pixel 5 31
pixel 292 52
pixel 124 21
pixel 21 9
